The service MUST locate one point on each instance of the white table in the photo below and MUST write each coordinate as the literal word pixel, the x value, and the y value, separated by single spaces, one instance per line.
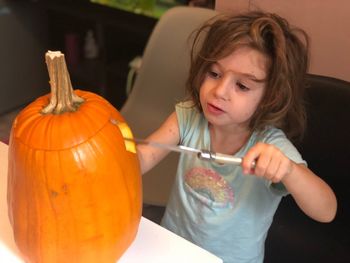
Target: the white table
pixel 153 243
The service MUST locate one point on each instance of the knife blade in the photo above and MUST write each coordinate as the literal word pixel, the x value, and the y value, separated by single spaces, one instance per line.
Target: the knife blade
pixel 201 154
pixel 177 148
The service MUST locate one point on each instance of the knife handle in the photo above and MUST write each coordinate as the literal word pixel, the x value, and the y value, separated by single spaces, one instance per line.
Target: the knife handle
pixel 221 158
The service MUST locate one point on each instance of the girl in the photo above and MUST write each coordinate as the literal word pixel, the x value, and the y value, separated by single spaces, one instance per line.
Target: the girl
pixel 246 87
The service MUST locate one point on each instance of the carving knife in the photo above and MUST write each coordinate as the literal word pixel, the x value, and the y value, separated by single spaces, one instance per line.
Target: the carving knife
pixel 201 154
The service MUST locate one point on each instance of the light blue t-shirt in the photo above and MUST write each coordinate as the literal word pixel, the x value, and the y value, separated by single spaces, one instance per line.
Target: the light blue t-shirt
pixel 217 207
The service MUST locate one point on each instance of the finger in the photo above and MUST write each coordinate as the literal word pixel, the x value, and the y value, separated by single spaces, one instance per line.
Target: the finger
pixel 277 166
pixel 250 160
pixel 283 171
pixel 272 169
pixel 265 161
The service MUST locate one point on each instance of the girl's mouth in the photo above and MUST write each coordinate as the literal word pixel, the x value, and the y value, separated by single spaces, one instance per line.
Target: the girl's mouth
pixel 214 109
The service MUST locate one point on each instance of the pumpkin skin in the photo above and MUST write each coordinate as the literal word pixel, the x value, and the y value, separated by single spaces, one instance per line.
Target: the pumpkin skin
pixel 74 190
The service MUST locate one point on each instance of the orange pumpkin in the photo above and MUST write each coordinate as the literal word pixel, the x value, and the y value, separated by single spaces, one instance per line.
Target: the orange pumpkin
pixel 74 184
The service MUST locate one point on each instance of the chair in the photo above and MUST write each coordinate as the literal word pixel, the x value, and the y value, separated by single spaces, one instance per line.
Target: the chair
pixel 293 237
pixel 159 85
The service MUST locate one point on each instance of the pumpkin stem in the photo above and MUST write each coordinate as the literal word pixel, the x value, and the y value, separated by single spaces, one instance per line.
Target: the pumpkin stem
pixel 63 99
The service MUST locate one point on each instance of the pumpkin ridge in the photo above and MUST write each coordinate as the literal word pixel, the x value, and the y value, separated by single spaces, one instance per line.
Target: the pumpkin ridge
pixel 93 106
pixel 51 205
pixel 28 130
pixel 63 148
pixel 29 184
pixel 58 215
pixel 62 151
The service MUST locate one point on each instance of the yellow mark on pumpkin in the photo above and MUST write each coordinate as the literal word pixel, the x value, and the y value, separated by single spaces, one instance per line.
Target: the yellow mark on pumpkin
pixel 126 133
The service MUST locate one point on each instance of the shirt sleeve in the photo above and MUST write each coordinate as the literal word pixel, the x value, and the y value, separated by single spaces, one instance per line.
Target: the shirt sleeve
pixel 278 138
pixel 185 113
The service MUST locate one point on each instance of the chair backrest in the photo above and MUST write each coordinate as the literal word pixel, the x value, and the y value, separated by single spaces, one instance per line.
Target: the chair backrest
pixel 159 85
pixel 326 148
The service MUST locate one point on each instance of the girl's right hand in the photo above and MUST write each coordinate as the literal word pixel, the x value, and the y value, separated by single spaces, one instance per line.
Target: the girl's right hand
pixel 270 162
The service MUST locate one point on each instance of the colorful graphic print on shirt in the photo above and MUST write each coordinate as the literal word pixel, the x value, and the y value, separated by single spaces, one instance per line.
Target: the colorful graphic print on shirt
pixel 210 187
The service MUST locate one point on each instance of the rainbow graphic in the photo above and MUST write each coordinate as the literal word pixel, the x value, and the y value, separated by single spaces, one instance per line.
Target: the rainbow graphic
pixel 210 185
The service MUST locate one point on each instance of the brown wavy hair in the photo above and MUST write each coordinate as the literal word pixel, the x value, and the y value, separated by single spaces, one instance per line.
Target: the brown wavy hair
pixel 287 50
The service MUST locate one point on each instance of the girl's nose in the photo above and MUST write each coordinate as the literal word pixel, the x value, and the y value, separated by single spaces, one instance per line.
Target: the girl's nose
pixel 221 90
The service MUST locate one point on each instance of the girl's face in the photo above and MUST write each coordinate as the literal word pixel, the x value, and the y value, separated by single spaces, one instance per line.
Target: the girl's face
pixel 233 88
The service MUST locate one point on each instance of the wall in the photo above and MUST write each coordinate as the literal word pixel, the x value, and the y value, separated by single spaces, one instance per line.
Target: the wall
pixel 327 23
pixel 23 74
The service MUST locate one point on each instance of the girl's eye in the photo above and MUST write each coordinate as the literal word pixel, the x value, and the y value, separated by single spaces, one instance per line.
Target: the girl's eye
pixel 213 74
pixel 242 86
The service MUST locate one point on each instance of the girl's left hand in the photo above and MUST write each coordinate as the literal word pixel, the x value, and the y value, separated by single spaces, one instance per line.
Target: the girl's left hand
pixel 270 162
